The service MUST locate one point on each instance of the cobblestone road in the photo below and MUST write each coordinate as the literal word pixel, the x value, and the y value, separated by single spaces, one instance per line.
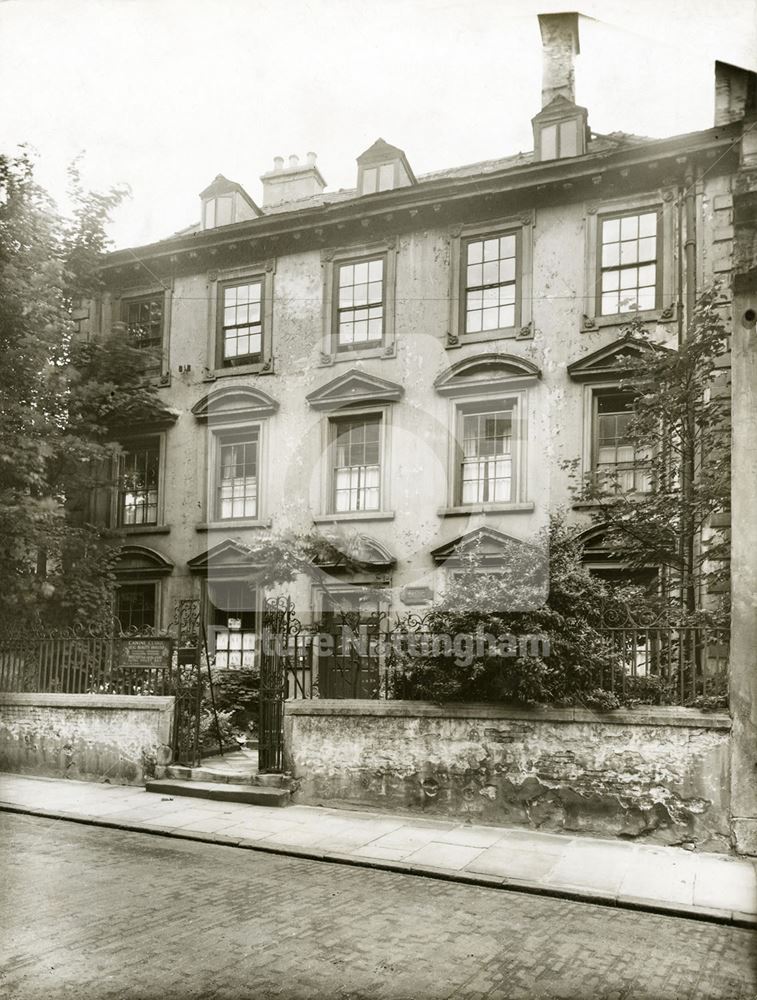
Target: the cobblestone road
pixel 94 914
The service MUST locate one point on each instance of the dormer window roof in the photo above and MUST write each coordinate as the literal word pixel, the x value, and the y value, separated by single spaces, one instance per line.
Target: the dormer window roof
pixel 383 167
pixel 225 202
pixel 560 130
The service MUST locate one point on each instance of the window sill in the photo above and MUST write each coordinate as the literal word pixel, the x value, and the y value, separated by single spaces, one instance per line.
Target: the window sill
pixel 231 523
pixel 486 508
pixel 261 368
pixel 326 360
pixel 609 502
pixel 145 529
pixel 506 333
pixel 158 378
pixel 591 323
pixel 155 377
pixel 355 515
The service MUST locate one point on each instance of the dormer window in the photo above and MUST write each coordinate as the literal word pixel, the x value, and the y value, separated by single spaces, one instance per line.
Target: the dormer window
pixel 559 140
pixel 383 167
pixel 218 212
pixel 226 202
pixel 379 178
pixel 559 130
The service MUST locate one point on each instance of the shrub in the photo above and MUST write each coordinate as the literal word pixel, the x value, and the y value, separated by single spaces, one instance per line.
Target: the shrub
pixel 209 731
pixel 236 692
pixel 507 603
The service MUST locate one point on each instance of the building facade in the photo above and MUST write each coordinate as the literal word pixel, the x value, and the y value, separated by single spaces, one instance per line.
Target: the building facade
pixel 408 364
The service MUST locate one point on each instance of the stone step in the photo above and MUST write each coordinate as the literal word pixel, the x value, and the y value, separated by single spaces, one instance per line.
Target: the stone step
pixel 180 772
pixel 223 776
pixel 254 795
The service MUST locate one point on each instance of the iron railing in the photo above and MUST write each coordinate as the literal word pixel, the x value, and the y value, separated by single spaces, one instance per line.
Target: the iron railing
pixel 88 660
pixel 651 660
pixel 109 660
pixel 661 659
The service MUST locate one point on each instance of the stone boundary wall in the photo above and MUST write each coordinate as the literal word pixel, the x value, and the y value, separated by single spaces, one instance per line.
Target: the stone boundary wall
pixel 658 775
pixel 115 738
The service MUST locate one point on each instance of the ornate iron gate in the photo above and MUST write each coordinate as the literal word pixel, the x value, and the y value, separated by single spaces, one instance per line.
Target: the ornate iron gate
pixel 283 653
pixel 187 683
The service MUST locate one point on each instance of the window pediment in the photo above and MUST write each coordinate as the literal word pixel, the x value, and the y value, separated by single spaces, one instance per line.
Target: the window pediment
pixel 603 542
pixel 227 557
pixel 491 545
pixel 608 362
pixel 485 373
pixel 354 388
pixel 154 417
pixel 138 560
pixel 357 551
pixel 242 403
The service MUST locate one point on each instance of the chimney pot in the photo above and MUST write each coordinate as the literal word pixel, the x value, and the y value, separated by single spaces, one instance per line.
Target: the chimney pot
pixel 295 183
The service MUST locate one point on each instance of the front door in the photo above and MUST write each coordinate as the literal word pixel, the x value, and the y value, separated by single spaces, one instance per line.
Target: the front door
pixel 351 669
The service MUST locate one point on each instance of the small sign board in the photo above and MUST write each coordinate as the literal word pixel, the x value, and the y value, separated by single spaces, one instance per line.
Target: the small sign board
pixel 146 652
pixel 416 595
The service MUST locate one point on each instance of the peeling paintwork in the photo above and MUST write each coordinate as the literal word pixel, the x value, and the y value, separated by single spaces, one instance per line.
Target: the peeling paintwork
pixel 87 741
pixel 654 783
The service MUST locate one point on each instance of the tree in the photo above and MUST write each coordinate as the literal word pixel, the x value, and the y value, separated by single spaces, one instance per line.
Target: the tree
pixel 679 430
pixel 60 400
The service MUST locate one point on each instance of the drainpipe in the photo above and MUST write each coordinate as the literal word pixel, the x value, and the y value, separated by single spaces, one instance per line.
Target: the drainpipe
pixel 690 245
pixel 689 456
pixel 679 276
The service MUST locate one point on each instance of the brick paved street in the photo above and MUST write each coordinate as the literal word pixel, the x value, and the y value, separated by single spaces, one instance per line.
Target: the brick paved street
pixel 95 913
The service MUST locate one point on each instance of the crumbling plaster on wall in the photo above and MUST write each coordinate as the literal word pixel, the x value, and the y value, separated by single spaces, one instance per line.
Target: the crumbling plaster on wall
pixel 665 784
pixel 84 738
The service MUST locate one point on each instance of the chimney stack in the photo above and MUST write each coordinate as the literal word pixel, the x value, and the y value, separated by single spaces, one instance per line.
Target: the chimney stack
pixel 560 128
pixel 559 37
pixel 292 183
pixel 735 93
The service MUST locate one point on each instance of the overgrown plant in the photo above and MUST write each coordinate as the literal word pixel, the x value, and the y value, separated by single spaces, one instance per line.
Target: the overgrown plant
pixel 680 432
pixel 568 668
pixel 236 692
pixel 61 401
pixel 280 558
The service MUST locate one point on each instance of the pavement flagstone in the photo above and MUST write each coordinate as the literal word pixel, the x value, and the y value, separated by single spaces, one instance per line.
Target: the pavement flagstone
pixel 614 872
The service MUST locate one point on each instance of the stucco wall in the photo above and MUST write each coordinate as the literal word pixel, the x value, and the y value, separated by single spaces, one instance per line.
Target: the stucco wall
pixel 293 466
pixel 117 738
pixel 658 775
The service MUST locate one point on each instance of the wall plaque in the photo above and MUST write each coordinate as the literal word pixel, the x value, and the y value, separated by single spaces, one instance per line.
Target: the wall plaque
pixel 146 652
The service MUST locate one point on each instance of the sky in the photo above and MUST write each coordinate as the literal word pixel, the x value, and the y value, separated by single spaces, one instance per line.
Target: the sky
pixel 164 94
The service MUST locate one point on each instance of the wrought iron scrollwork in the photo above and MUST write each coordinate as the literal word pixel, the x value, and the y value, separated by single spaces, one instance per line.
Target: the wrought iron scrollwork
pixel 279 618
pixel 35 629
pixel 620 614
pixel 186 622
